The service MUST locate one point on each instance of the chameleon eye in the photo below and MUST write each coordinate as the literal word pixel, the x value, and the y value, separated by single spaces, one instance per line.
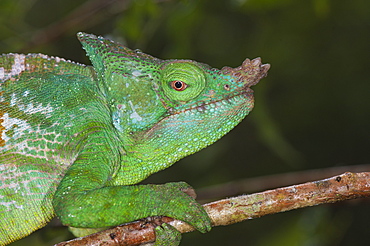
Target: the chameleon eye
pixel 182 80
pixel 178 85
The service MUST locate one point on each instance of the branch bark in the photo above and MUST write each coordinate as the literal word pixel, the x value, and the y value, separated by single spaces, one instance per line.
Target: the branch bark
pixel 229 211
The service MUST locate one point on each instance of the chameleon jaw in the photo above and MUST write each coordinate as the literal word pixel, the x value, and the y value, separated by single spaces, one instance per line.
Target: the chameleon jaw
pixel 235 100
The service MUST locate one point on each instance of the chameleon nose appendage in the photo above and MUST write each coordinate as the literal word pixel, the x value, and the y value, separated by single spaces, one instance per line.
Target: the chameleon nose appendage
pixel 249 73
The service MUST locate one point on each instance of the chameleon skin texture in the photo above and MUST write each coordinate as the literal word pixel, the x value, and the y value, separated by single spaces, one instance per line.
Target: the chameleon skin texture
pixel 75 139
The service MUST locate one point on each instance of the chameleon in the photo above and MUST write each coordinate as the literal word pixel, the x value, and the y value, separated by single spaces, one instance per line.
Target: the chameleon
pixel 77 139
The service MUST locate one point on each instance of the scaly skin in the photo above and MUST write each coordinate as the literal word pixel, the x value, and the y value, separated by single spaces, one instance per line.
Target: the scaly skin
pixel 74 139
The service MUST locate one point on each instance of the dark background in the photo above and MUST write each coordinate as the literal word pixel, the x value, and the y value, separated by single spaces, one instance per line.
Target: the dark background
pixel 312 111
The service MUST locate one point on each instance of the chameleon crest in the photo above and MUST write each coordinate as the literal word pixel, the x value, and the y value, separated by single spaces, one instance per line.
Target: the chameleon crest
pixel 74 139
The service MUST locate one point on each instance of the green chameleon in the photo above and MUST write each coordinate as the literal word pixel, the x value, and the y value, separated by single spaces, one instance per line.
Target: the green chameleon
pixel 76 139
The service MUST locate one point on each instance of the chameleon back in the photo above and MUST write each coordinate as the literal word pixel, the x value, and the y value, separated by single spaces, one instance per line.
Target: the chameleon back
pixel 38 103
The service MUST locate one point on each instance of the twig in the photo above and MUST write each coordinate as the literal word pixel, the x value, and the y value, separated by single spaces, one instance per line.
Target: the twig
pixel 256 184
pixel 229 211
pixel 81 15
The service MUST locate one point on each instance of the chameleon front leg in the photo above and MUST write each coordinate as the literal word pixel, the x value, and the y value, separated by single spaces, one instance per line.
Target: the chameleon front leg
pixel 83 198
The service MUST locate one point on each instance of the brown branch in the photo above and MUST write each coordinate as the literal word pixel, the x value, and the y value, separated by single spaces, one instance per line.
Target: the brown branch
pixel 267 182
pixel 80 16
pixel 86 15
pixel 229 211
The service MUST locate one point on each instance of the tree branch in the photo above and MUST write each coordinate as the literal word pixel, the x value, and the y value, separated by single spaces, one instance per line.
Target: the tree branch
pixel 229 211
pixel 267 182
pixel 79 17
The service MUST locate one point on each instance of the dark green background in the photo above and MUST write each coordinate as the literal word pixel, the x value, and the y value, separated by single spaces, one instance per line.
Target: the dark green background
pixel 312 111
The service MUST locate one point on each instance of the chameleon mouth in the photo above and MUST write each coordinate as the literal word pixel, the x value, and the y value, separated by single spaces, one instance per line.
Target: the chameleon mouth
pixel 230 102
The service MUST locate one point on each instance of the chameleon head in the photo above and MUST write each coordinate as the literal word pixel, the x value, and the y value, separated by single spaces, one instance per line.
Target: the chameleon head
pixel 167 109
pixel 202 103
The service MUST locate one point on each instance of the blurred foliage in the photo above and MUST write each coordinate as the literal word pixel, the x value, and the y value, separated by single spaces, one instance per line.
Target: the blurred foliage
pixel 311 111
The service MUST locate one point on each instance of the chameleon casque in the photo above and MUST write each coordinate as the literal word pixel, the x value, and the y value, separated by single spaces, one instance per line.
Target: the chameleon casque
pixel 75 139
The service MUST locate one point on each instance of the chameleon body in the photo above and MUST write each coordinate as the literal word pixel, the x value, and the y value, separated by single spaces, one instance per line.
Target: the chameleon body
pixel 75 139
